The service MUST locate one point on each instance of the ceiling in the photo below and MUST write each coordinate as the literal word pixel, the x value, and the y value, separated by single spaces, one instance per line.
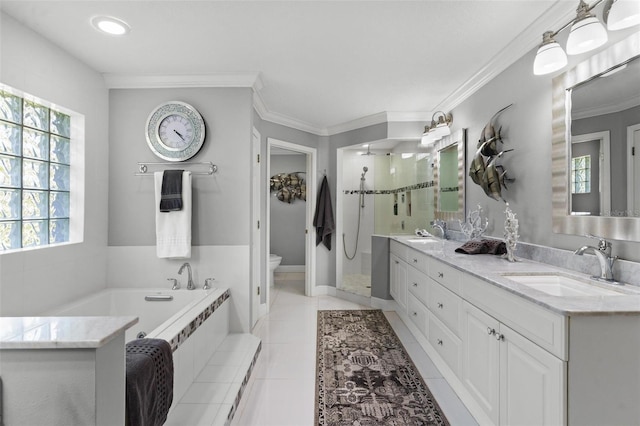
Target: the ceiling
pixel 315 65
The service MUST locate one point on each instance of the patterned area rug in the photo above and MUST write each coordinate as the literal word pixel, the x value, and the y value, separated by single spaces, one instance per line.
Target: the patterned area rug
pixel 365 377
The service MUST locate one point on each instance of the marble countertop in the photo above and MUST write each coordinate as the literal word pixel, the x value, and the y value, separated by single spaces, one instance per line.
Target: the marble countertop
pixel 491 268
pixel 60 332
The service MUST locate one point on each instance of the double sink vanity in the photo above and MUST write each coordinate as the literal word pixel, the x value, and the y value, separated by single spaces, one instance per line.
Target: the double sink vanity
pixel 523 342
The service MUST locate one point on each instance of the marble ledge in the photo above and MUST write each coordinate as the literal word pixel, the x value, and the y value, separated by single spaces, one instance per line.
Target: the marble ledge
pixel 61 332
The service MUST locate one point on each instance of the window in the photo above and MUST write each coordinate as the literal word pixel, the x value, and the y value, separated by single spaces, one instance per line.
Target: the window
pixel 35 173
pixel 581 175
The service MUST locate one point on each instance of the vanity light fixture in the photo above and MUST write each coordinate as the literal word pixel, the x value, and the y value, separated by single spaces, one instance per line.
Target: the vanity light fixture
pixel 437 129
pixel 586 34
pixel 620 14
pixel 110 25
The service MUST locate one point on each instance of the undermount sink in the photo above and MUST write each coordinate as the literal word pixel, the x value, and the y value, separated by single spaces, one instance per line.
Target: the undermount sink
pixel 423 240
pixel 560 285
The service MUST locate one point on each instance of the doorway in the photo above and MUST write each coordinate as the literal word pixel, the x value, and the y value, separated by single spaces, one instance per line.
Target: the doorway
pixel 289 198
pixel 633 170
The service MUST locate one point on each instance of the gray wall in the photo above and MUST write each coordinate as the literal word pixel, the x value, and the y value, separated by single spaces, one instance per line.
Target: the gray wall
pixel 32 64
pixel 221 202
pixel 288 220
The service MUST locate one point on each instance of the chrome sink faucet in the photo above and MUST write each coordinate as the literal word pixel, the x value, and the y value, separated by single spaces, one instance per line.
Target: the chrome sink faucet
pixel 603 254
pixel 190 285
pixel 442 226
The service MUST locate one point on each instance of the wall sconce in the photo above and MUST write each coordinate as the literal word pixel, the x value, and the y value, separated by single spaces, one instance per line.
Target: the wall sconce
pixel 438 128
pixel 586 34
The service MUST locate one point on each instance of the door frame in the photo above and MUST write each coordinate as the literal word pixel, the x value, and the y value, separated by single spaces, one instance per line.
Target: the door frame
pixel 630 169
pixel 311 181
pixel 256 238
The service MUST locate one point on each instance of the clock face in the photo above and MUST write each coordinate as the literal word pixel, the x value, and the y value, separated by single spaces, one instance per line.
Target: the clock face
pixel 175 131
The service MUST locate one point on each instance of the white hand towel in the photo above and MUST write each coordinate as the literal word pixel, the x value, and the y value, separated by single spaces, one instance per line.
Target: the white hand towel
pixel 173 229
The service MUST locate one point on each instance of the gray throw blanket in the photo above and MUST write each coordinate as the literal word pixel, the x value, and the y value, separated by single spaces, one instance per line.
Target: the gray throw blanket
pixel 171 192
pixel 323 218
pixel 149 382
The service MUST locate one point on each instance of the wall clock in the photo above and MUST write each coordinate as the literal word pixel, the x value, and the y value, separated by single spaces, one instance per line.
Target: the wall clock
pixel 175 131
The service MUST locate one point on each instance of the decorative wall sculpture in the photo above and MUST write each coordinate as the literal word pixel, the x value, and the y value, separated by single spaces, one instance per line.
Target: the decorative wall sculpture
pixel 484 170
pixel 288 187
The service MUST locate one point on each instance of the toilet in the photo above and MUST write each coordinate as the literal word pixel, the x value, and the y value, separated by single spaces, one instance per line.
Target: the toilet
pixel 274 261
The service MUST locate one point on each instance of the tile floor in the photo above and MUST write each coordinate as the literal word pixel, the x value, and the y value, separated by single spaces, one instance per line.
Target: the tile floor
pixel 281 390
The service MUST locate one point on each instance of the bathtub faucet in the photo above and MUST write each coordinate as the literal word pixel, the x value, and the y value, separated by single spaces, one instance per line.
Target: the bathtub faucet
pixel 190 285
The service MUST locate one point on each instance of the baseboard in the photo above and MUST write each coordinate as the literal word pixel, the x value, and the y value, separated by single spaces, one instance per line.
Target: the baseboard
pixel 323 290
pixel 384 304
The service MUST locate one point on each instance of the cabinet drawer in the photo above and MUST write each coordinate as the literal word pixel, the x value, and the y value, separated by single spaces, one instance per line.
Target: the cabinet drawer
pixel 398 249
pixel 418 284
pixel 418 260
pixel 448 346
pixel 418 314
pixel 444 274
pixel 445 305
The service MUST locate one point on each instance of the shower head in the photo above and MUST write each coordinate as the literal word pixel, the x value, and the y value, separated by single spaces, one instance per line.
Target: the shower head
pixel 368 151
pixel 365 169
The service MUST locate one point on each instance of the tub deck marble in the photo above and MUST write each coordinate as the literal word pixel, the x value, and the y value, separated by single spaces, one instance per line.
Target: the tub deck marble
pixel 61 332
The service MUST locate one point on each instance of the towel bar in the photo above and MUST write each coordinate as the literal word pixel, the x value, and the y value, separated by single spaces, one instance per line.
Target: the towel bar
pixel 143 168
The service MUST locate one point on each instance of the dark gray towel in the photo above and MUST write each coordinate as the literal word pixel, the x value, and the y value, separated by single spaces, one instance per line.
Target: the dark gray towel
pixel 149 382
pixel 323 218
pixel 171 192
pixel 484 246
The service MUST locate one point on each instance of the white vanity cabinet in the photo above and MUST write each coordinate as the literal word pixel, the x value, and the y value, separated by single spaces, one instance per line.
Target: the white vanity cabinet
pixel 514 358
pixel 513 380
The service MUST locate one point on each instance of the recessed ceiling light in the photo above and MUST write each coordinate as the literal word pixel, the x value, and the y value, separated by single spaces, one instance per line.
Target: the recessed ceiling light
pixel 110 25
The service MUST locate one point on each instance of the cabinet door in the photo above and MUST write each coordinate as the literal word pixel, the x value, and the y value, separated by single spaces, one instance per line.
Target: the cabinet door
pixel 393 281
pixel 398 288
pixel 480 364
pixel 532 382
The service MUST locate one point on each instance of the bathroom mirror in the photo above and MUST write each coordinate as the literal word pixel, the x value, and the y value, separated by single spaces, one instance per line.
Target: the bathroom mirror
pixel 449 176
pixel 595 121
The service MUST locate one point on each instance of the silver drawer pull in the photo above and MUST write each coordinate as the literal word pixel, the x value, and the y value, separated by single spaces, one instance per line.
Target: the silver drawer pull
pixel 490 331
pixel 440 305
pixel 439 342
pixel 499 336
pixel 440 274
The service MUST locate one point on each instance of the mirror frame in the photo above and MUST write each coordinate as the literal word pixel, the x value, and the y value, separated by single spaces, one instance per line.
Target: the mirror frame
pixel 460 138
pixel 617 228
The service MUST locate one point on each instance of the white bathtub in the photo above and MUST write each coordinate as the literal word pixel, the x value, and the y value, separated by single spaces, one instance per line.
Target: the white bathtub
pixel 194 322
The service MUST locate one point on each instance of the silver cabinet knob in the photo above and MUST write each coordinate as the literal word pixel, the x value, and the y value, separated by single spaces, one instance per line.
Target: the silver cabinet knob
pixel 440 274
pixel 439 342
pixel 490 331
pixel 440 305
pixel 499 336
pixel 415 284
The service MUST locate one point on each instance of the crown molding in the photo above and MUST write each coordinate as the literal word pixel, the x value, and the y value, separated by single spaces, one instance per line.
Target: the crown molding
pixel 617 106
pixel 153 81
pixel 555 17
pixel 277 118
